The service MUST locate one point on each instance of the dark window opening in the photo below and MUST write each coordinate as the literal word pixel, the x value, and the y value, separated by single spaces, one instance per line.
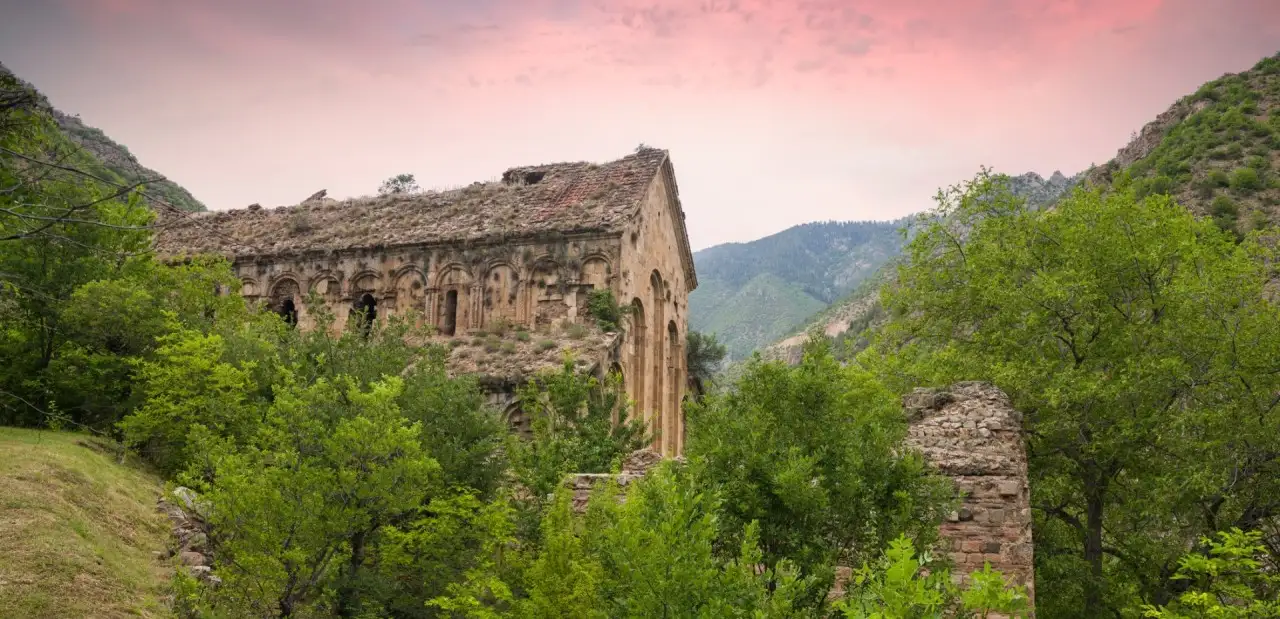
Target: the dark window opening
pixel 450 313
pixel 368 309
pixel 289 312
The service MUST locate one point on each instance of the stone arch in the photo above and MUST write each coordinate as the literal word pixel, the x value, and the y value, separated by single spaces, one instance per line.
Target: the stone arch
pixel 657 360
pixel 365 282
pixel 673 428
pixel 595 271
pixel 501 293
pixel 639 348
pixel 454 284
pixel 285 299
pixel 285 288
pixel 411 292
pixel 517 420
pixel 327 285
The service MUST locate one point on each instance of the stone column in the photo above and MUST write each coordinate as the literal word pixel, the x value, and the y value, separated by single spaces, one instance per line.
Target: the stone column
pixel 432 310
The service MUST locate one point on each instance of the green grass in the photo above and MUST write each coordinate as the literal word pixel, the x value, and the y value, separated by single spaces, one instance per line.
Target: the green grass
pixel 77 530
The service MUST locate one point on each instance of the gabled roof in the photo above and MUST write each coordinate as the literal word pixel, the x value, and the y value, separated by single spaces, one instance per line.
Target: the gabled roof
pixel 527 201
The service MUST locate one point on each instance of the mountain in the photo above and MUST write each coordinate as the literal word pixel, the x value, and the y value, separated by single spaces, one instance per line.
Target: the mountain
pixel 112 161
pixel 860 309
pixel 1217 151
pixel 749 294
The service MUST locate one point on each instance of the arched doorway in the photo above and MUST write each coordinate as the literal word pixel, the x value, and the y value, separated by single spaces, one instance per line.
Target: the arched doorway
pixel 366 313
pixel 289 312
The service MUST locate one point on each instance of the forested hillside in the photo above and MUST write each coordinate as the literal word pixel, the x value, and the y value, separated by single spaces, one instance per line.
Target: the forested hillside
pixel 749 294
pixel 109 160
pixel 847 317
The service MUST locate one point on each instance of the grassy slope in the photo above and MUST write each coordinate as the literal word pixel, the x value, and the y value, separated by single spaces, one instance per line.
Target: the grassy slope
pixel 77 530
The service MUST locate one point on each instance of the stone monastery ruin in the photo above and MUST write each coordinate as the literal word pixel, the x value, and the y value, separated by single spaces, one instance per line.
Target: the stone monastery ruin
pixel 523 252
pixel 526 252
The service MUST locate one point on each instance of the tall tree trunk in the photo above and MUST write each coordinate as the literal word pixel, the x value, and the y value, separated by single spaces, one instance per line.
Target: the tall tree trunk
pixel 1093 603
pixel 347 602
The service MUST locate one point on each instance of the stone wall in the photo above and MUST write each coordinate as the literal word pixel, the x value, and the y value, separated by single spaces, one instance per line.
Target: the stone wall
pixel 971 433
pixel 457 288
pixel 654 281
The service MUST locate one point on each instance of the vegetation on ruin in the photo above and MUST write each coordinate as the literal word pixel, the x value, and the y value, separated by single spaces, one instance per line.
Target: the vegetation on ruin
pixel 346 473
pixel 1140 344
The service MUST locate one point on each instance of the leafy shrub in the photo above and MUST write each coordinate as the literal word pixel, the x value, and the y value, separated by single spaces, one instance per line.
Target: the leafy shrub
pixel 492 343
pixel 901 585
pixel 1230 582
pixel 508 348
pixel 1246 179
pixel 545 345
pixel 604 308
pixel 523 335
pixel 1219 178
pixel 1224 206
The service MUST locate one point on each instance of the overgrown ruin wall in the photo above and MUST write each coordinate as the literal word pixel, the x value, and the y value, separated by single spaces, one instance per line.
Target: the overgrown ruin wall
pixel 971 433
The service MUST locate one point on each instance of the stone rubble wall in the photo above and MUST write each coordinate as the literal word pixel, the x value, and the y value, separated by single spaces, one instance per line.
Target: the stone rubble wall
pixel 971 433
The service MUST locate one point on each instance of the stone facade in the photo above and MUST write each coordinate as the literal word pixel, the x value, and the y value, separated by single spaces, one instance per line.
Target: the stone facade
pixel 971 433
pixel 526 251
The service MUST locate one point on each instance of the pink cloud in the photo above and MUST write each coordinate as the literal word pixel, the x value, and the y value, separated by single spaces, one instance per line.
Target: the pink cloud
pixel 777 112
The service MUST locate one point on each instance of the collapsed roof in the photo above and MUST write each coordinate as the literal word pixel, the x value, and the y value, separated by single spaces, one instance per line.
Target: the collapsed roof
pixel 570 198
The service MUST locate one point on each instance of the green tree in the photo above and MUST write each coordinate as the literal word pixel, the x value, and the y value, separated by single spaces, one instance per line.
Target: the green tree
pixel 1136 341
pixel 580 425
pixel 704 355
pixel 1230 581
pixel 294 510
pixel 900 587
pixel 813 453
pixel 399 184
pixel 648 551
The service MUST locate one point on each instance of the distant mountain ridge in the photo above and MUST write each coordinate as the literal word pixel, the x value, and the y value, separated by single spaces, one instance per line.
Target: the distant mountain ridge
pixel 749 294
pixel 860 308
pixel 114 161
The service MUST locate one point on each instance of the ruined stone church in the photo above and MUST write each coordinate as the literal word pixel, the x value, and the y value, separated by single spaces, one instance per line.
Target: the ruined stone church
pixel 502 270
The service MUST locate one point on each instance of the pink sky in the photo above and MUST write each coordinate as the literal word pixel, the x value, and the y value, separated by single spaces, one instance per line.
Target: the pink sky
pixel 775 112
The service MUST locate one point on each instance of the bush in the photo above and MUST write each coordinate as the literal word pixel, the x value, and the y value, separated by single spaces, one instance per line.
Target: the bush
pixel 545 345
pixel 1224 206
pixel 1246 179
pixel 604 308
pixel 575 331
pixel 1219 178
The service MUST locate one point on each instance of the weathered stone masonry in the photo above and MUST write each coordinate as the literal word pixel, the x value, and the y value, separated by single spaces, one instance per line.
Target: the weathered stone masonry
pixel 971 433
pixel 524 250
